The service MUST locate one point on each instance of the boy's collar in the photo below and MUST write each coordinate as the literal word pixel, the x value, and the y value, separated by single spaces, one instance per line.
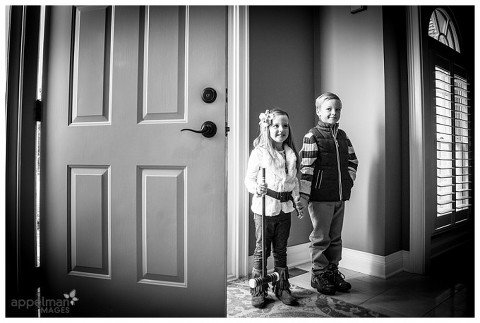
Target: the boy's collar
pixel 322 124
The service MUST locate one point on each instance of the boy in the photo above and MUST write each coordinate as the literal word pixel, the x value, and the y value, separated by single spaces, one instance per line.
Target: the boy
pixel 328 168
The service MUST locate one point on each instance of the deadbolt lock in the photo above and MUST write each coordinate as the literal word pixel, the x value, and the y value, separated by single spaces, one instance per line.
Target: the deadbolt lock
pixel 209 95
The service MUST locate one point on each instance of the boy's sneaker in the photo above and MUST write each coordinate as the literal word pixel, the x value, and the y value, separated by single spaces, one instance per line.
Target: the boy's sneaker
pixel 323 283
pixel 339 280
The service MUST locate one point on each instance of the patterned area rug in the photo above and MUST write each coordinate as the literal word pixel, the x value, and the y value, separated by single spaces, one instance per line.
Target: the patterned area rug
pixel 310 304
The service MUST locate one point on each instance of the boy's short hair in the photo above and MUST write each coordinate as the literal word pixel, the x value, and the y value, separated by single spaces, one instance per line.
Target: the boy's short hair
pixel 327 96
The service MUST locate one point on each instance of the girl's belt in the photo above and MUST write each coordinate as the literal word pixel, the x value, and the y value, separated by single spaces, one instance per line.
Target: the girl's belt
pixel 282 196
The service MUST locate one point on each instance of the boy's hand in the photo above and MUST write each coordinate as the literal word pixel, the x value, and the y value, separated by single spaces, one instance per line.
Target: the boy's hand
pixel 300 214
pixel 302 204
pixel 301 207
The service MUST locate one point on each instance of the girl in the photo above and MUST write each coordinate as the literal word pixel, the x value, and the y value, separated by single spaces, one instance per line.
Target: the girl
pixel 273 150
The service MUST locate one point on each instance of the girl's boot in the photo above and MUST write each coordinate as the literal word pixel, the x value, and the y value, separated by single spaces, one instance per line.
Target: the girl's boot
pixel 282 287
pixel 258 293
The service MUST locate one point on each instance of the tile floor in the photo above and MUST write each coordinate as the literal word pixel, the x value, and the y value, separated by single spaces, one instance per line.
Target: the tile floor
pixel 442 294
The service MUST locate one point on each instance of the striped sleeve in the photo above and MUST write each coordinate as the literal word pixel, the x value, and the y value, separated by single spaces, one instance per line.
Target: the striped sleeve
pixel 352 160
pixel 308 156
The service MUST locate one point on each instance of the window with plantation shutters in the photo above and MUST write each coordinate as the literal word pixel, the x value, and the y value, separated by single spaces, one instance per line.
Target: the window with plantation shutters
pixel 453 133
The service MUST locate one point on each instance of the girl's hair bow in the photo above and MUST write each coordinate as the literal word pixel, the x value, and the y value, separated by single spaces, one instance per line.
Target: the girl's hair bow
pixel 265 119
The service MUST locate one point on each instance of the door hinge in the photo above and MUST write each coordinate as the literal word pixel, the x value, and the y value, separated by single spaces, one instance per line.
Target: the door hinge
pixel 38 110
pixel 227 128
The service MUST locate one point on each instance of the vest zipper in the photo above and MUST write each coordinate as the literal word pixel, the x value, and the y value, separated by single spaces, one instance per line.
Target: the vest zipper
pixel 338 165
pixel 319 179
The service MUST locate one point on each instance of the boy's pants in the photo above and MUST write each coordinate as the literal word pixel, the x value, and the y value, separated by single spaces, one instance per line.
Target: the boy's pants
pixel 277 231
pixel 326 237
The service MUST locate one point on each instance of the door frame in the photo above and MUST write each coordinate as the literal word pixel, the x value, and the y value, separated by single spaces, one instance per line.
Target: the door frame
pixel 237 142
pixel 419 243
pixel 22 276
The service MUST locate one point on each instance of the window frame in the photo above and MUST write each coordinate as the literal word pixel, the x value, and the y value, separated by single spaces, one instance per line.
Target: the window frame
pixel 455 217
pixel 447 58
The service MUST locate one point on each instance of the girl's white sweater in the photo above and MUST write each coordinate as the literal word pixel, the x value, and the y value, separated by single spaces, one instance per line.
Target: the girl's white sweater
pixel 276 177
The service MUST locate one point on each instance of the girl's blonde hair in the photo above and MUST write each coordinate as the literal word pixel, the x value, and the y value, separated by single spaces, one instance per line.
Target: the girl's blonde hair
pixel 264 140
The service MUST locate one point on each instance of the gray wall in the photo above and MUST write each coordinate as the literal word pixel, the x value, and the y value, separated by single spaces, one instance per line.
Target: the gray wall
pixel 350 54
pixel 281 75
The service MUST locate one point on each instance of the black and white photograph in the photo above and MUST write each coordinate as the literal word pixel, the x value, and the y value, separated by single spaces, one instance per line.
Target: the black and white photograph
pixel 239 160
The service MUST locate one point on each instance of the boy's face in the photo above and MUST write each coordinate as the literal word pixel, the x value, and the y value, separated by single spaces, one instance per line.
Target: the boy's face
pixel 329 111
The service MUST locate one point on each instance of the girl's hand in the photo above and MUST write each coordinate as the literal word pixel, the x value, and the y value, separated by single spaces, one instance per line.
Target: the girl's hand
pixel 261 189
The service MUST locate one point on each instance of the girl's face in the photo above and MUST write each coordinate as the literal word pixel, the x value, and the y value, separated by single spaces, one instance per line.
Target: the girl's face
pixel 279 130
pixel 329 111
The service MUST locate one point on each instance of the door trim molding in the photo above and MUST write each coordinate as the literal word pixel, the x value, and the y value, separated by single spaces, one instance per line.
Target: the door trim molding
pixel 22 64
pixel 416 145
pixel 13 148
pixel 237 141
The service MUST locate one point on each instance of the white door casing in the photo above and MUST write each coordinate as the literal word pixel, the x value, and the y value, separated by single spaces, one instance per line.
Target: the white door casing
pixel 238 142
pixel 134 208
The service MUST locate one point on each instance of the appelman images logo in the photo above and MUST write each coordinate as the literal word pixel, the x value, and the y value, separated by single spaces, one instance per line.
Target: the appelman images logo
pixel 47 305
pixel 71 296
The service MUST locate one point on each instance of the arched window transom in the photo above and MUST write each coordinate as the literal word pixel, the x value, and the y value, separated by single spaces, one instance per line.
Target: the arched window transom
pixel 442 29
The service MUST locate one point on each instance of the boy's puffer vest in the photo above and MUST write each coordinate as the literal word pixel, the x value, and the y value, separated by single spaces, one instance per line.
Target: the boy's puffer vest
pixel 326 184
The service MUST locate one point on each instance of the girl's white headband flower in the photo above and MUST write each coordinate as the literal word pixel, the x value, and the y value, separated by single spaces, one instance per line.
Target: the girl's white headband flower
pixel 265 119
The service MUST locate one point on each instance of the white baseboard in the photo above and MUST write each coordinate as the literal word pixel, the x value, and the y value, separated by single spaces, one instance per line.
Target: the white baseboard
pixel 363 262
pixel 374 265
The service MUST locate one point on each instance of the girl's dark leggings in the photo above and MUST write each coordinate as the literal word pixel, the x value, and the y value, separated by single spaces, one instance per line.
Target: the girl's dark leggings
pixel 277 231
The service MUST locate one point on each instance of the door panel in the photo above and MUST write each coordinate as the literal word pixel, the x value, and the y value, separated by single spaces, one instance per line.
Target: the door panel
pixel 89 221
pixel 92 56
pixel 161 226
pixel 134 208
pixel 166 66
